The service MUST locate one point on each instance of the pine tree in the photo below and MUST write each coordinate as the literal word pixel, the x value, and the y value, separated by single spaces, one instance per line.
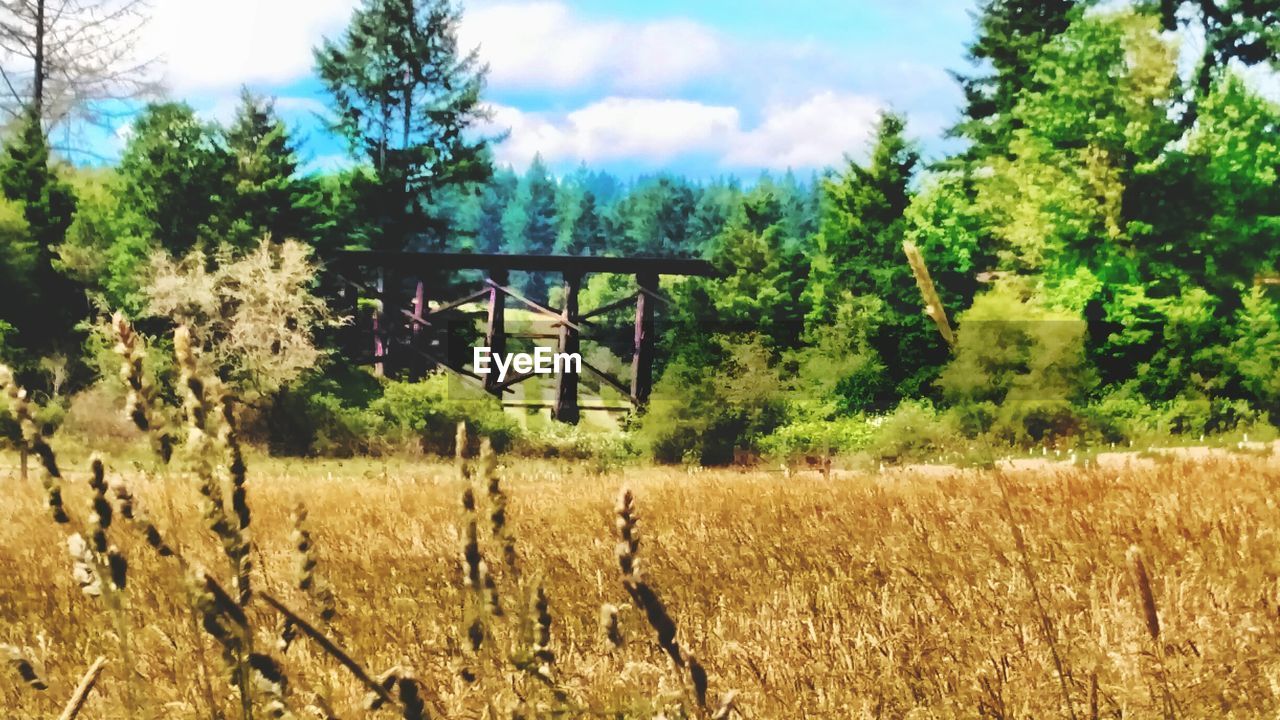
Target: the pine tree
pixel 407 99
pixel 1011 34
pixel 47 304
pixel 265 197
pixel 586 235
pixel 540 209
pixel 497 195
pixel 174 171
pixel 859 240
pixel 859 254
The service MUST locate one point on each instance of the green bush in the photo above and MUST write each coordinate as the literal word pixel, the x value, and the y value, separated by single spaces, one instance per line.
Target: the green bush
pixel 347 411
pixel 914 432
pixel 1019 372
pixel 605 449
pixel 703 413
pixel 801 438
pixel 427 412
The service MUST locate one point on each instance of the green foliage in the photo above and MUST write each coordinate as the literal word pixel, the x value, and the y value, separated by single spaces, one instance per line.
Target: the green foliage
pixel 863 222
pixel 703 413
pixel 346 412
pixel 1019 371
pixel 429 411
pixel 407 101
pixel 37 301
pixel 1255 350
pixel 265 198
pixel 107 248
pixel 1011 35
pixel 174 174
pixel 822 438
pixel 914 432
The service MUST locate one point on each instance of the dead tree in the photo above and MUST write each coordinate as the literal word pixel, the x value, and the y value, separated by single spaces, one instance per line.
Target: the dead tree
pixel 65 60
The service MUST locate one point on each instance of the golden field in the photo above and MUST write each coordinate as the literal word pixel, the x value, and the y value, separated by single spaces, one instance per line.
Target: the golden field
pixel 885 595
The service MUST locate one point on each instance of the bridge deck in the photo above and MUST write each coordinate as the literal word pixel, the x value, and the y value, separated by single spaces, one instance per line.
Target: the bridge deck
pixel 411 262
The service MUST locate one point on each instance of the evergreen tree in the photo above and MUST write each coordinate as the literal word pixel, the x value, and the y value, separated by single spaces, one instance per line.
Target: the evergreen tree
pixel 859 254
pixel 539 197
pixel 407 99
pixel 174 171
pixel 586 233
pixel 499 193
pixel 44 305
pixel 265 197
pixel 1011 34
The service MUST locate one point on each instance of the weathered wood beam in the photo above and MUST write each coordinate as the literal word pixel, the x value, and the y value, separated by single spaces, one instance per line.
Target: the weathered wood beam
pixel 620 302
pixel 580 264
pixel 642 359
pixel 538 307
pixel 566 409
pixel 495 335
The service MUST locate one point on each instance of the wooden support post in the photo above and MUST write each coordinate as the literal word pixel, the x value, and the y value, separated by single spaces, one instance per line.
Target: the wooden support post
pixel 379 322
pixel 419 305
pixel 347 293
pixel 416 362
pixel 495 335
pixel 393 325
pixel 566 407
pixel 642 359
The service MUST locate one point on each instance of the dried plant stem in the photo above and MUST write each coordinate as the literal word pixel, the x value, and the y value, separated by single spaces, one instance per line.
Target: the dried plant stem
pixel 329 647
pixel 1047 631
pixel 1151 617
pixel 81 694
pixel 646 598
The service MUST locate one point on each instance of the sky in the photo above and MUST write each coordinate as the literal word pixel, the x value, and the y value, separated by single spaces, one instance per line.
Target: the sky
pixel 699 87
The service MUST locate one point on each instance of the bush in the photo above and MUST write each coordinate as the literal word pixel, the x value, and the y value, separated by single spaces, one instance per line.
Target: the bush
pixel 702 413
pixel 427 413
pixel 1019 371
pixel 605 449
pixel 914 432
pixel 348 411
pixel 819 437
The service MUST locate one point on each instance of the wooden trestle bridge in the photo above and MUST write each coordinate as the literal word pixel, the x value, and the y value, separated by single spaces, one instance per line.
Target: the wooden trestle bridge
pixel 413 328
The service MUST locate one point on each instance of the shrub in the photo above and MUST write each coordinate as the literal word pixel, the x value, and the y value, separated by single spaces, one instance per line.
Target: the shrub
pixel 914 431
pixel 605 449
pixel 703 413
pixel 347 411
pixel 1019 371
pixel 427 412
pixel 819 437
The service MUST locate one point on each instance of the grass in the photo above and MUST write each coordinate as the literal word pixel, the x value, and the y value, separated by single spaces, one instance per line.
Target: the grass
pixel 1079 593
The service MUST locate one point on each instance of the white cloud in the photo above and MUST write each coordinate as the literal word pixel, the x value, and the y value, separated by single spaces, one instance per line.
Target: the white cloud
pixel 616 128
pixel 543 45
pixel 811 134
pixel 220 45
pixel 1264 80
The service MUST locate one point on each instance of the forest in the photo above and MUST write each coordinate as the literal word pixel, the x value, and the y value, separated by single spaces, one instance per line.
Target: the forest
pixel 1103 244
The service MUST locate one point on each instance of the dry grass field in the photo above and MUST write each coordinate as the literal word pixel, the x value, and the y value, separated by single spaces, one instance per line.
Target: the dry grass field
pixel 1149 592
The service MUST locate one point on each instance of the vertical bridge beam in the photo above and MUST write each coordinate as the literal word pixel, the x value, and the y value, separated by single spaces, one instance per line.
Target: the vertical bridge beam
pixel 566 405
pixel 495 334
pixel 379 324
pixel 642 359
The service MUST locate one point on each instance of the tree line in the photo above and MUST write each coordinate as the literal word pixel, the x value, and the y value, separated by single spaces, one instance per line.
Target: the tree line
pixel 1104 243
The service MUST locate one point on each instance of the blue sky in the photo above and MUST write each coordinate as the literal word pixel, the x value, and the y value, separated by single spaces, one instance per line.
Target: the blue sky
pixel 703 87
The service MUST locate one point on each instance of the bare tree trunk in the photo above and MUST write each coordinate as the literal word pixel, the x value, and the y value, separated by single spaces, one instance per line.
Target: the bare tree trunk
pixel 22 464
pixel 37 90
